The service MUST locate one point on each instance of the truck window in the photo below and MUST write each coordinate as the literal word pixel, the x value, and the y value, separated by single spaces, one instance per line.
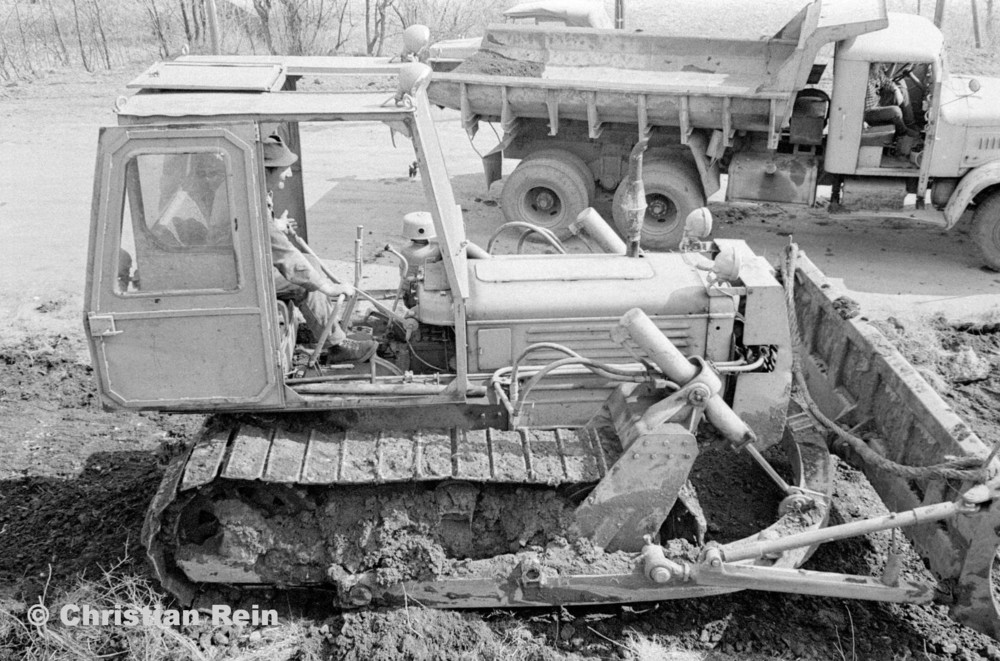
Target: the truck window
pixel 177 231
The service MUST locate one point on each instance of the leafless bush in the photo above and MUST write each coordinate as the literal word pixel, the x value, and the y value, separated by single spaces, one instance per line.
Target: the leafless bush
pixel 376 16
pixel 301 27
pixel 37 36
pixel 448 19
pixel 40 35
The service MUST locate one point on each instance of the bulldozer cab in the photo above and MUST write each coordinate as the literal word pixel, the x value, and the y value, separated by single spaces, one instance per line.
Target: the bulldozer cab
pixel 177 308
pixel 181 311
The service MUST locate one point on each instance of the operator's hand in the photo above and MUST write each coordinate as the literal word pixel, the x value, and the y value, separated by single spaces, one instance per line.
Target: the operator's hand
pixel 334 290
pixel 286 224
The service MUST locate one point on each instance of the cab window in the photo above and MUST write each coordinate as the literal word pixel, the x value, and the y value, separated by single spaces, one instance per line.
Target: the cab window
pixel 177 227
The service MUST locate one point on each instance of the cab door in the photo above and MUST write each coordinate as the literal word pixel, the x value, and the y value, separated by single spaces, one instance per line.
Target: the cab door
pixel 179 306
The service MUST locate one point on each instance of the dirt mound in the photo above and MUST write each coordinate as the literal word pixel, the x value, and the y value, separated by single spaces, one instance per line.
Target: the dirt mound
pixel 45 368
pixel 490 63
pixel 960 361
pixel 75 525
pixel 74 480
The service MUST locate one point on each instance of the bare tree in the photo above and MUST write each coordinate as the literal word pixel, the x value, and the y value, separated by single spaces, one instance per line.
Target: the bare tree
pixel 293 24
pixel 62 44
pixel 212 14
pixel 200 19
pixel 446 18
pixel 342 34
pixel 100 31
pixel 79 37
pixel 263 9
pixel 24 41
pixel 7 68
pixel 157 23
pixel 185 23
pixel 320 17
pixel 376 12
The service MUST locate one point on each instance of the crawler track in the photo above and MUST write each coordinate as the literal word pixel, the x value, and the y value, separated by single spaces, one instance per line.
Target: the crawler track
pixel 456 516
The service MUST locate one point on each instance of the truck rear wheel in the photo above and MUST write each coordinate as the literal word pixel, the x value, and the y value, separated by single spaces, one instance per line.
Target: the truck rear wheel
pixel 986 230
pixel 573 161
pixel 545 192
pixel 673 190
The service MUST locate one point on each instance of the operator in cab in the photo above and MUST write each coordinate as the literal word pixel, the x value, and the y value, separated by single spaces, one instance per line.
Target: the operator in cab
pixel 296 278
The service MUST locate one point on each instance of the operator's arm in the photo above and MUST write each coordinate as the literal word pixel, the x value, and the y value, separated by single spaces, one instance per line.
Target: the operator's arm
pixel 294 266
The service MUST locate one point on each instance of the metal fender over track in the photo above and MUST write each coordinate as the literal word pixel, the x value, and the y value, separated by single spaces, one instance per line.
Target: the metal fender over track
pixel 857 377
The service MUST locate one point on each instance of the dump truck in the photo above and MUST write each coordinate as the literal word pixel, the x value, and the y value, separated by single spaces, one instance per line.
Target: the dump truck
pixel 534 429
pixel 571 103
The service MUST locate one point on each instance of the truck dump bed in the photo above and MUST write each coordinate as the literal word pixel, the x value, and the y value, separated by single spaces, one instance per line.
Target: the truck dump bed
pixel 600 76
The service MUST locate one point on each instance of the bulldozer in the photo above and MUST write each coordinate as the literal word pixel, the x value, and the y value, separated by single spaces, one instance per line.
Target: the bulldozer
pixel 534 429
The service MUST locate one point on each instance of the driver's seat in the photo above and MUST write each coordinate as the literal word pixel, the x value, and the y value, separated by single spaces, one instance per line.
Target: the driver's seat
pixel 878 135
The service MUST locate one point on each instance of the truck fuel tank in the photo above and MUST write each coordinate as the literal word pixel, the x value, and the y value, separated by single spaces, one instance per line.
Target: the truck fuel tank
pixel 773 177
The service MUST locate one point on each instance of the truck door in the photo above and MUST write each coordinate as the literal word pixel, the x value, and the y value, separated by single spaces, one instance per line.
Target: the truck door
pixel 179 300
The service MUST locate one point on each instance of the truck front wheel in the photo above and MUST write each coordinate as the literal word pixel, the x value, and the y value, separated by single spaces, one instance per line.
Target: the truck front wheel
pixel 986 230
pixel 673 190
pixel 545 192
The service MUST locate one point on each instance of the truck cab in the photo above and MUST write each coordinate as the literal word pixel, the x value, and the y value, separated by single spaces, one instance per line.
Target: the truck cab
pixel 953 164
pixel 912 49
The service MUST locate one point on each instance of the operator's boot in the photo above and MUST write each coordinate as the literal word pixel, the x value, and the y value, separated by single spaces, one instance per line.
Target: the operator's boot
pixel 351 351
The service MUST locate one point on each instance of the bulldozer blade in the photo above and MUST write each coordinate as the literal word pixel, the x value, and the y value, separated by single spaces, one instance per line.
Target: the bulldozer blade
pixel 640 489
pixel 856 376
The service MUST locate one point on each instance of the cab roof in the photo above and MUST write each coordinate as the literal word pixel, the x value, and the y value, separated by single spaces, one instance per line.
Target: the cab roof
pixel 216 88
pixel 909 38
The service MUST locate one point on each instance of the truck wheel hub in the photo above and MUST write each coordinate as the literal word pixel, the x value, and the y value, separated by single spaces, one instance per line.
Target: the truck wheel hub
pixel 659 208
pixel 545 200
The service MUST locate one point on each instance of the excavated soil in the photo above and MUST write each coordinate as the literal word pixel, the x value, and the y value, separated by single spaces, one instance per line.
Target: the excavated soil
pixel 76 480
pixel 960 360
pixel 490 63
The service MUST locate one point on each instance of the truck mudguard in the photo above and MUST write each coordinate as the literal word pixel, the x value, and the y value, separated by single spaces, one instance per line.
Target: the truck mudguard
pixel 973 183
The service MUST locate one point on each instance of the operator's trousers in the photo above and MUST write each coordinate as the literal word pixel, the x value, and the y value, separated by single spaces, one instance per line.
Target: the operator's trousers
pixel 899 114
pixel 315 307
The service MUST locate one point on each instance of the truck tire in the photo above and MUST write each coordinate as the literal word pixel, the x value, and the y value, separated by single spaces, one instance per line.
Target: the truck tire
pixel 986 230
pixel 574 161
pixel 545 192
pixel 673 190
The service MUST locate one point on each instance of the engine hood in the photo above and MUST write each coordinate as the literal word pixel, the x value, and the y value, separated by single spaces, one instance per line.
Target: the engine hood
pixel 960 106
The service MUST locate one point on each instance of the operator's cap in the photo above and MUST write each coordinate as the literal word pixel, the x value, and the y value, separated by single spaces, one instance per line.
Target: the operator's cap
pixel 276 153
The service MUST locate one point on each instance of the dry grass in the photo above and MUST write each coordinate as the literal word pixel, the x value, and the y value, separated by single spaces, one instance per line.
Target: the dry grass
pixel 155 641
pixel 638 647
